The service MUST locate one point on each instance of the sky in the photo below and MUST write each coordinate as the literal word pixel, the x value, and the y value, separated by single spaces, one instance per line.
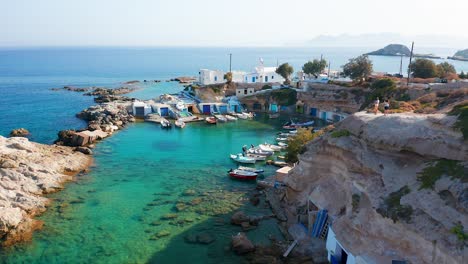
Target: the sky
pixel 226 23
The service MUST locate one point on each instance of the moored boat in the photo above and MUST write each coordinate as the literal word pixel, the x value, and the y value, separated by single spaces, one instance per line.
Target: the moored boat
pixel 211 120
pixel 179 123
pixel 221 118
pixel 231 118
pixel 258 151
pixel 293 126
pixel 274 115
pixel 256 157
pixel 166 124
pixel 250 169
pixel 282 139
pixel 269 147
pixel 241 159
pixel 242 174
pixel 282 144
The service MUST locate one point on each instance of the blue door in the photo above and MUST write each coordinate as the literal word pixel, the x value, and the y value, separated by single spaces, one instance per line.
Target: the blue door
pixel 324 115
pixel 266 78
pixel 253 79
pixel 206 109
pixel 313 111
pixel 164 111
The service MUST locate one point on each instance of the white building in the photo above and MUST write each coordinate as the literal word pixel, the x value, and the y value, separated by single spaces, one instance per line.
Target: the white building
pixel 260 74
pixel 240 92
pixel 140 109
pixel 211 76
pixel 336 252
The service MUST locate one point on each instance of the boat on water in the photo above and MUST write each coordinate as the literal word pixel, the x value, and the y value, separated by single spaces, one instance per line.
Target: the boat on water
pixel 211 120
pixel 255 170
pixel 258 151
pixel 179 123
pixel 166 124
pixel 256 157
pixel 270 147
pixel 293 126
pixel 242 174
pixel 241 159
pixel 282 139
pixel 282 144
pixel 221 118
pixel 245 115
pixel 231 118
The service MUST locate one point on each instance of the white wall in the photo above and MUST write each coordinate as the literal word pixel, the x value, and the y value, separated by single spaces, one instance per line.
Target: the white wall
pixel 332 244
pixel 240 92
pixel 211 76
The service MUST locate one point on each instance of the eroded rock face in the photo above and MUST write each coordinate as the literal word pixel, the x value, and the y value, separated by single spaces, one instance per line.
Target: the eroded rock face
pixel 354 177
pixel 28 170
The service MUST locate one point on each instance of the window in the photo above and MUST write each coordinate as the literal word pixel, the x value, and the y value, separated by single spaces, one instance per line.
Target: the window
pixel 216 78
pixel 250 91
pixel 272 77
pixel 238 92
pixel 245 91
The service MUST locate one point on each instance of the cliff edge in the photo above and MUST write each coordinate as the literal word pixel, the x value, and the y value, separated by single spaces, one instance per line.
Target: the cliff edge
pixel 29 170
pixel 395 187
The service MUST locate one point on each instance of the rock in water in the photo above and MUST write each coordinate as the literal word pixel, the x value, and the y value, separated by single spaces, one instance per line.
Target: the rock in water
pixel 239 217
pixel 20 132
pixel 240 244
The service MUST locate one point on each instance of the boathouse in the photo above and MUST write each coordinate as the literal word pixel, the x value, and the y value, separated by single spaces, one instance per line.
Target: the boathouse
pixel 161 109
pixel 140 109
pixel 337 254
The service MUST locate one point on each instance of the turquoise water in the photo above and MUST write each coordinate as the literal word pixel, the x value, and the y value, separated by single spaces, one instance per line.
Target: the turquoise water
pixel 141 174
pixel 154 90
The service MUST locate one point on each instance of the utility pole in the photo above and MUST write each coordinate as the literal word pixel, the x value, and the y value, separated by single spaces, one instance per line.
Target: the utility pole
pixel 230 62
pixel 409 66
pixel 329 66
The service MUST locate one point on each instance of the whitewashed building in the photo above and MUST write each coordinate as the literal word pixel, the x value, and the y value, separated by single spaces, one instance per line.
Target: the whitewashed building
pixel 206 76
pixel 260 74
pixel 140 109
pixel 240 92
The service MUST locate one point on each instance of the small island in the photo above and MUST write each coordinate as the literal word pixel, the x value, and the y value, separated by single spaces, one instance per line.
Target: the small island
pixel 461 55
pixel 400 50
pixel 392 50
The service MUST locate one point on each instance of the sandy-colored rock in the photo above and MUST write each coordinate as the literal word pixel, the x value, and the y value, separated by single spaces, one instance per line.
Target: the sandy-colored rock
pixel 382 155
pixel 29 170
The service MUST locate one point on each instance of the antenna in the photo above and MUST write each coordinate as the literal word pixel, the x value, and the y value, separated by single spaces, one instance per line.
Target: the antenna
pixel 409 66
pixel 230 62
pixel 401 65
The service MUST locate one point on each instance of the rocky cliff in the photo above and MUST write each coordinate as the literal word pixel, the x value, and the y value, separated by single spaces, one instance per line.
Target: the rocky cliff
pixel 28 171
pixel 395 186
pixel 392 50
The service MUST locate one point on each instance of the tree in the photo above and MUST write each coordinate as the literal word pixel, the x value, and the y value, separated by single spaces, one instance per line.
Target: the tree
pixel 314 67
pixel 285 70
pixel 444 69
pixel 228 77
pixel 358 68
pixel 424 68
pixel 462 75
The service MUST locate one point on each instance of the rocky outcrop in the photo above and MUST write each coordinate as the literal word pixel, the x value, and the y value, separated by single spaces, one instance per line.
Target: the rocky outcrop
pixel 20 132
pixel 240 244
pixel 27 171
pixel 392 50
pixel 460 55
pixel 369 179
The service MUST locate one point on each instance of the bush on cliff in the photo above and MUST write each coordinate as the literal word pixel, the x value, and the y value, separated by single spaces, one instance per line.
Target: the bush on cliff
pixel 392 207
pixel 284 96
pixel 429 175
pixel 297 144
pixel 461 111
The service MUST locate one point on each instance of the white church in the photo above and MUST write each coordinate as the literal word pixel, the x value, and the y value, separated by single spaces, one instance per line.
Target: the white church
pixel 260 74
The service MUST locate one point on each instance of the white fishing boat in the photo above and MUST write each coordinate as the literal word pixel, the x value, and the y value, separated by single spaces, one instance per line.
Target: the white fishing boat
pixel 166 123
pixel 180 106
pixel 231 118
pixel 294 132
pixel 242 116
pixel 269 147
pixel 282 139
pixel 241 159
pixel 258 151
pixel 221 118
pixel 179 123
pixel 282 144
pixel 255 170
pixel 242 174
pixel 256 157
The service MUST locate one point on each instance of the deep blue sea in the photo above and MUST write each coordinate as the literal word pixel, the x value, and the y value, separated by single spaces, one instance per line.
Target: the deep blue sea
pixel 26 76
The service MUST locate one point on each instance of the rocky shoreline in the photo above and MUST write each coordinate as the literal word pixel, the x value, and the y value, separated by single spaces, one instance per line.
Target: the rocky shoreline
pixel 28 171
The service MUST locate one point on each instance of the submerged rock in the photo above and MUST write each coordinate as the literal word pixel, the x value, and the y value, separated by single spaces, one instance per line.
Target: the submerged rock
pixel 240 244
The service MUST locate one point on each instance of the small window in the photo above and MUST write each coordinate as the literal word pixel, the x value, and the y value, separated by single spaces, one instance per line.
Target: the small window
pixel 250 91
pixel 245 91
pixel 216 78
pixel 238 92
pixel 272 77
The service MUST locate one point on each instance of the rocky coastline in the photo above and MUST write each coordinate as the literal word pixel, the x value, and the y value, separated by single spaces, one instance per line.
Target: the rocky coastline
pixel 28 171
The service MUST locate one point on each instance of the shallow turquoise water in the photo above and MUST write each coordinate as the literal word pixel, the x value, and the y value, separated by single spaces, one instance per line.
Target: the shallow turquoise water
pixel 140 174
pixel 154 90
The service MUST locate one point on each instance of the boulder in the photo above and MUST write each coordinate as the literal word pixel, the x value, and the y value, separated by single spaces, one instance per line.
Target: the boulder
pixel 240 244
pixel 239 217
pixel 20 132
pixel 84 150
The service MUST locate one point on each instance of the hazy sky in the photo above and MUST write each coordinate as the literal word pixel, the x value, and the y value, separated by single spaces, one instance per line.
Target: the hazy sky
pixel 220 22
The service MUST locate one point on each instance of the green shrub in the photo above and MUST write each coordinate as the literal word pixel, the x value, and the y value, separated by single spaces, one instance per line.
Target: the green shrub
pixel 340 133
pixel 429 175
pixel 285 96
pixel 458 230
pixel 461 111
pixel 392 207
pixel 266 87
pixel 381 88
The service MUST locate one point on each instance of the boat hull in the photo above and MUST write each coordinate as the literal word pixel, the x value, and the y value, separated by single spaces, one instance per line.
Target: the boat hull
pixel 242 177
